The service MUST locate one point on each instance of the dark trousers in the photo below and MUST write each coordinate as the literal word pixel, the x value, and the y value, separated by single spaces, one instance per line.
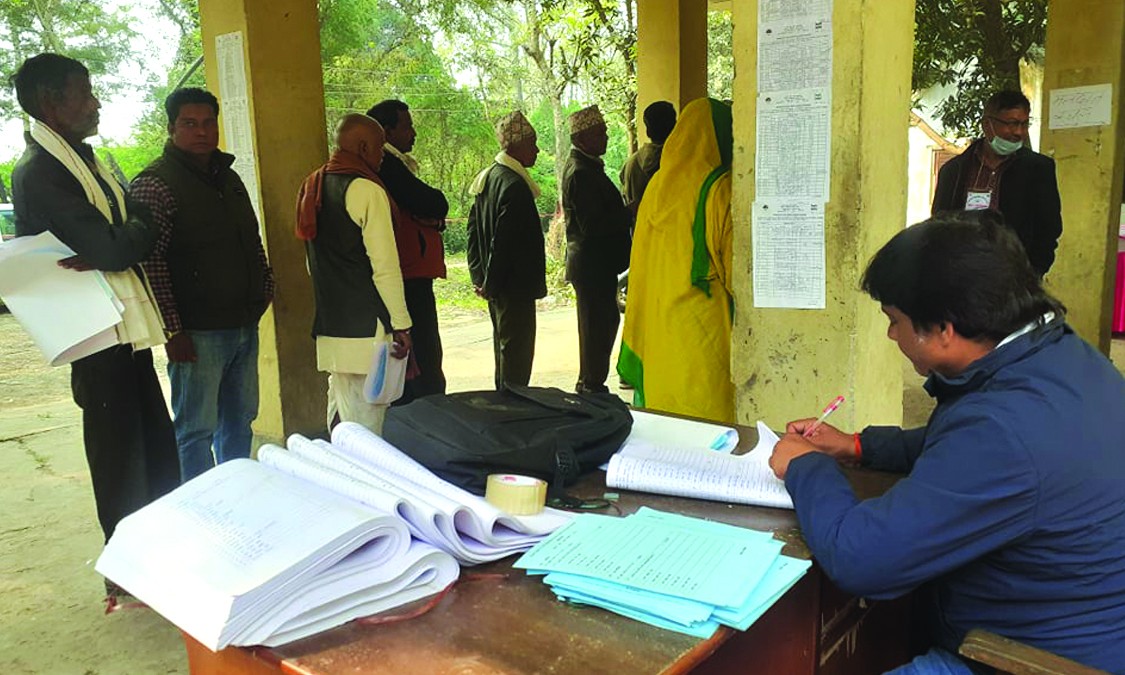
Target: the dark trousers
pixel 426 339
pixel 130 444
pixel 598 319
pixel 513 339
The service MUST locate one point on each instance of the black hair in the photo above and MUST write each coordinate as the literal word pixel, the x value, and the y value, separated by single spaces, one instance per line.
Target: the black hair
pixel 43 73
pixel 386 112
pixel 184 96
pixel 966 268
pixel 1006 100
pixel 660 119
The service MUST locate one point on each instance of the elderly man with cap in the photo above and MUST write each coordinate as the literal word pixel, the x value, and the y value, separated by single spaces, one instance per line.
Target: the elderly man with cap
pixel 506 255
pixel 597 248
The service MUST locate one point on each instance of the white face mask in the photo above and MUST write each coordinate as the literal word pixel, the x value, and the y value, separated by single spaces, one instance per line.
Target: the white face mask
pixel 1003 146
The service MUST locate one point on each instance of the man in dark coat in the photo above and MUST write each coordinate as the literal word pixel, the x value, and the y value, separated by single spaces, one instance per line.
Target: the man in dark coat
pixel 59 186
pixel 597 250
pixel 660 119
pixel 507 259
pixel 418 227
pixel 999 172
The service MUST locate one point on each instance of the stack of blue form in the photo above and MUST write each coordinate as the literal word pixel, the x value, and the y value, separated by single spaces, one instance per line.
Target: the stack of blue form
pixel 671 571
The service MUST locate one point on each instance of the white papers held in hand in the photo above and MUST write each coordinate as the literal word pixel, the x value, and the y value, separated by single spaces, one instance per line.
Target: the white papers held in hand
pixel 68 314
pixel 386 378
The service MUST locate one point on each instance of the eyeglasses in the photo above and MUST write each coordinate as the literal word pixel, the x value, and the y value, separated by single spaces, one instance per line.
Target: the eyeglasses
pixel 1012 124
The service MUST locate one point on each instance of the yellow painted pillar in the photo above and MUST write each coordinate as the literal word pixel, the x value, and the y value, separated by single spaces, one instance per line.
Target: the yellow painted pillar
pixel 789 363
pixel 1086 46
pixel 671 53
pixel 285 97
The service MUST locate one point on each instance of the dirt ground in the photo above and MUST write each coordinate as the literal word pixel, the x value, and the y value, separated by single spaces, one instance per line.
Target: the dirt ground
pixel 52 618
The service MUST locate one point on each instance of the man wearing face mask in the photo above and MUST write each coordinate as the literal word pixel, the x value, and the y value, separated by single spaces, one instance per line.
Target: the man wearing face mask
pixel 999 172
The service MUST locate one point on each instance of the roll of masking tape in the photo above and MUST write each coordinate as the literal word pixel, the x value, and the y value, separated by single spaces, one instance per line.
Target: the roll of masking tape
pixel 517 495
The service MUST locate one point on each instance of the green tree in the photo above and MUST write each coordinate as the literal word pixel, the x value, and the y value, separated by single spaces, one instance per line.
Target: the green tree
pixel 976 46
pixel 87 31
pixel 720 55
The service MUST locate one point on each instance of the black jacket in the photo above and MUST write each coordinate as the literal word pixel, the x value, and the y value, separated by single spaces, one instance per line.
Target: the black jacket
pixel 507 257
pixel 1029 199
pixel 597 222
pixel 48 197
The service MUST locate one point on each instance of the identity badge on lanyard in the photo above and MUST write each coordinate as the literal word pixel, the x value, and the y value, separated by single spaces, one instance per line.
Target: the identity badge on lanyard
pixel 977 200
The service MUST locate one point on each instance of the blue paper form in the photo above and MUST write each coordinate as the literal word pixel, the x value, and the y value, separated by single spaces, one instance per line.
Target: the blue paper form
pixel 667 570
pixel 650 554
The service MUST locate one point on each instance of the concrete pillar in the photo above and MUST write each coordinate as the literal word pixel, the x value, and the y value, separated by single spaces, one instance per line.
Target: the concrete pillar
pixel 1086 46
pixel 671 53
pixel 286 100
pixel 789 363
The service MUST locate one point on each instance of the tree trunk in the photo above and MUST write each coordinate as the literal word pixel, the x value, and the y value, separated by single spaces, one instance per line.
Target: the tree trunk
pixel 998 48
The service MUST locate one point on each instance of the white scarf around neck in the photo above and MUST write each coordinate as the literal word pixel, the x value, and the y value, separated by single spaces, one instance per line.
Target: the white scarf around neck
pixel 141 324
pixel 504 159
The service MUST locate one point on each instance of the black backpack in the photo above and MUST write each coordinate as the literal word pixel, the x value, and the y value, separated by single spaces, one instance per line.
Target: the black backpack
pixel 542 432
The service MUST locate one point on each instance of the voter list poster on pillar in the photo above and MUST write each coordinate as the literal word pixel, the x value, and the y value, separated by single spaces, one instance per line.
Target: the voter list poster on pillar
pixel 793 152
pixel 238 134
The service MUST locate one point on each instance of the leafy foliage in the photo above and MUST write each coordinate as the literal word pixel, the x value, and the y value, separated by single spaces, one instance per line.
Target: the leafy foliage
pixel 976 47
pixel 720 55
pixel 87 31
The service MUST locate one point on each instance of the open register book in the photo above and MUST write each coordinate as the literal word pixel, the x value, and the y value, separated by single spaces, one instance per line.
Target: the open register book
pixel 701 473
pixel 244 554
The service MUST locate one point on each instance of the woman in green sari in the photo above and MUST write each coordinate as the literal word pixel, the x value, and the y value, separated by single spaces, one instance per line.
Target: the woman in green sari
pixel 675 346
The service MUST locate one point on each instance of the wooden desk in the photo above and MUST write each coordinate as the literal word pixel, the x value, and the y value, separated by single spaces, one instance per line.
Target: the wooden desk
pixel 515 625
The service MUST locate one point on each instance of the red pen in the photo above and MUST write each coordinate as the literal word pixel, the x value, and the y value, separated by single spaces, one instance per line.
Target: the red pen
pixel 828 410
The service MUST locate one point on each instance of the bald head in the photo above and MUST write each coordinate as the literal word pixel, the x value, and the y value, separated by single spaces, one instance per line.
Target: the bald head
pixel 363 136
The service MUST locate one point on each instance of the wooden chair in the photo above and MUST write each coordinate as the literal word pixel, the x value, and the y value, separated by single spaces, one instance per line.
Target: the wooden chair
pixel 1015 658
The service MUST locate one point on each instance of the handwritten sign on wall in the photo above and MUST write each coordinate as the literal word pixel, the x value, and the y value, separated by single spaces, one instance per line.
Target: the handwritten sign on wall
pixel 1080 106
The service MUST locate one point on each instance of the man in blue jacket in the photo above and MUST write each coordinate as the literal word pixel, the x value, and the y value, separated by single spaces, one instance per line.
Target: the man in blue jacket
pixel 1011 517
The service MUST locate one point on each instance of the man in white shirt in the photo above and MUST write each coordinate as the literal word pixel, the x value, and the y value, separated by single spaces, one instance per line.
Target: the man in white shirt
pixel 346 220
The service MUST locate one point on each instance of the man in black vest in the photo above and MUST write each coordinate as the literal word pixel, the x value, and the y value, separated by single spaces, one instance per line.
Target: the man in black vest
pixel 211 279
pixel 597 249
pixel 345 218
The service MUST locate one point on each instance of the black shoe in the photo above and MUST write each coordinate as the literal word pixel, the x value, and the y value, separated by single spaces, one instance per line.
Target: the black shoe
pixel 583 389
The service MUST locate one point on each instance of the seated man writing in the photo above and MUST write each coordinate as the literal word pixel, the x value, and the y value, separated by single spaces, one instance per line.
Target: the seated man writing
pixel 1011 517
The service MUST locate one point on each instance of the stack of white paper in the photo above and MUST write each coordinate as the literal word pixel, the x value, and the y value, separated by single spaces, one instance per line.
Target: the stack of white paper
pixel 363 466
pixel 68 314
pixel 670 571
pixel 244 554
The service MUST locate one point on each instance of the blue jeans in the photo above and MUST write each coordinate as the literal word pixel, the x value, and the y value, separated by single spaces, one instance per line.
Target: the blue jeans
pixel 215 398
pixel 934 662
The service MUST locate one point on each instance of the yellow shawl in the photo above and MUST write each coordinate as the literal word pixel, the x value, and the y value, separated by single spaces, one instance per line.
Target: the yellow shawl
pixel 675 346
